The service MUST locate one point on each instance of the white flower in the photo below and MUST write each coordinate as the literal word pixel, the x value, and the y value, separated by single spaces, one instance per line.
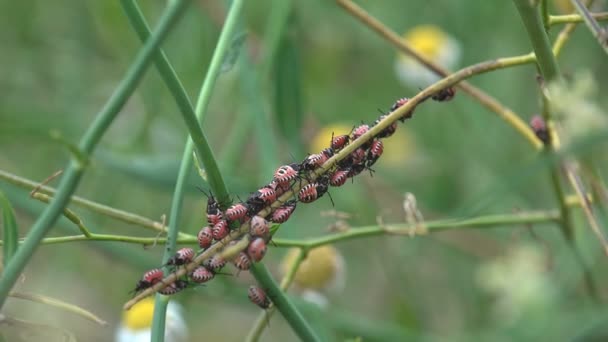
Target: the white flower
pixel 136 323
pixel 434 44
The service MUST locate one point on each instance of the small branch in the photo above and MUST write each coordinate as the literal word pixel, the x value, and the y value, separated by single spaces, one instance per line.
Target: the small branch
pixel 483 98
pixel 69 214
pixel 538 37
pixel 282 303
pixel 564 34
pixel 258 328
pixel 102 209
pixel 430 226
pixel 59 304
pixel 575 18
pixel 598 32
pixel 112 238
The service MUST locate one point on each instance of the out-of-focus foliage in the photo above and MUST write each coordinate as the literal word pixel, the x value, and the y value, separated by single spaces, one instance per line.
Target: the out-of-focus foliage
pixel 61 59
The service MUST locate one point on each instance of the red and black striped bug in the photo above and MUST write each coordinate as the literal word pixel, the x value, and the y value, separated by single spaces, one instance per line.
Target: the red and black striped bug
pixel 374 152
pixel 313 191
pixel 242 261
pixel 286 173
pixel 358 156
pixel 313 161
pixel 399 103
pixel 538 125
pixel 149 278
pixel 214 214
pixel 282 213
pixel 205 237
pixel 259 227
pixel 279 188
pixel 237 212
pixel 258 297
pixel 388 131
pixel 338 143
pixel 359 131
pixel 215 263
pixel 356 169
pixel 257 249
pixel 220 230
pixel 174 288
pixel 444 94
pixel 202 274
pixel 181 257
pixel 339 177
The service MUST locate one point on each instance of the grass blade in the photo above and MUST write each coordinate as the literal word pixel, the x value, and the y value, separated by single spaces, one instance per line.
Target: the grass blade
pixel 10 230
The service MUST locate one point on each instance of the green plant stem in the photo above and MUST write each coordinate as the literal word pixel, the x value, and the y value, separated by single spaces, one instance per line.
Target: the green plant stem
pixel 575 18
pixel 10 230
pixel 99 208
pixel 261 322
pixel 483 98
pixel 192 118
pixel 215 180
pixel 89 141
pixel 532 20
pixel 145 241
pixel 544 10
pixel 549 70
pixel 59 304
pixel 283 304
pixel 69 214
pixel 424 228
pixel 600 34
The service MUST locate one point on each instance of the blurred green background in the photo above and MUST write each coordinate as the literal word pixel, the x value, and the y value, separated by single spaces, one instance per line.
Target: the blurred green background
pixel 61 60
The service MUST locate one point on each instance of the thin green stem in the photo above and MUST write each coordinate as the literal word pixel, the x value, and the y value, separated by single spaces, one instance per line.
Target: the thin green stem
pixel 59 304
pixel 145 241
pixel 424 228
pixel 600 34
pixel 261 322
pixel 283 304
pixel 549 69
pixel 532 20
pixel 99 208
pixel 206 156
pixel 89 141
pixel 483 98
pixel 69 214
pixel 192 118
pixel 575 18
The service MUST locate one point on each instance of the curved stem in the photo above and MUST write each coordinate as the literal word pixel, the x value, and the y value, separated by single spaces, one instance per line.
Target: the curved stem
pixel 215 179
pixel 282 303
pixel 89 141
pixel 483 98
pixel 261 322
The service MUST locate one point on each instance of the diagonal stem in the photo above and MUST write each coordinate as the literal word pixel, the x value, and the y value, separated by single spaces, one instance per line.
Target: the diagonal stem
pixel 87 144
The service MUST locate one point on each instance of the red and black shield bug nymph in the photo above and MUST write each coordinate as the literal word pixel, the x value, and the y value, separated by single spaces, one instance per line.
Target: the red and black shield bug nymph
pixel 399 103
pixel 181 257
pixel 444 94
pixel 220 230
pixel 205 237
pixel 286 173
pixel 388 131
pixel 237 212
pixel 374 152
pixel 282 213
pixel 149 278
pixel 258 297
pixel 202 274
pixel 338 142
pixel 174 288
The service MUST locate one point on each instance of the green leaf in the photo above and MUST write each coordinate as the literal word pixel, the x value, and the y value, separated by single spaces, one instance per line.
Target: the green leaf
pixel 11 230
pixel 288 93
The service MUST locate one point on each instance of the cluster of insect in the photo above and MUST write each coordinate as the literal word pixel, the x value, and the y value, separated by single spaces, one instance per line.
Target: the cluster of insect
pixel 221 222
